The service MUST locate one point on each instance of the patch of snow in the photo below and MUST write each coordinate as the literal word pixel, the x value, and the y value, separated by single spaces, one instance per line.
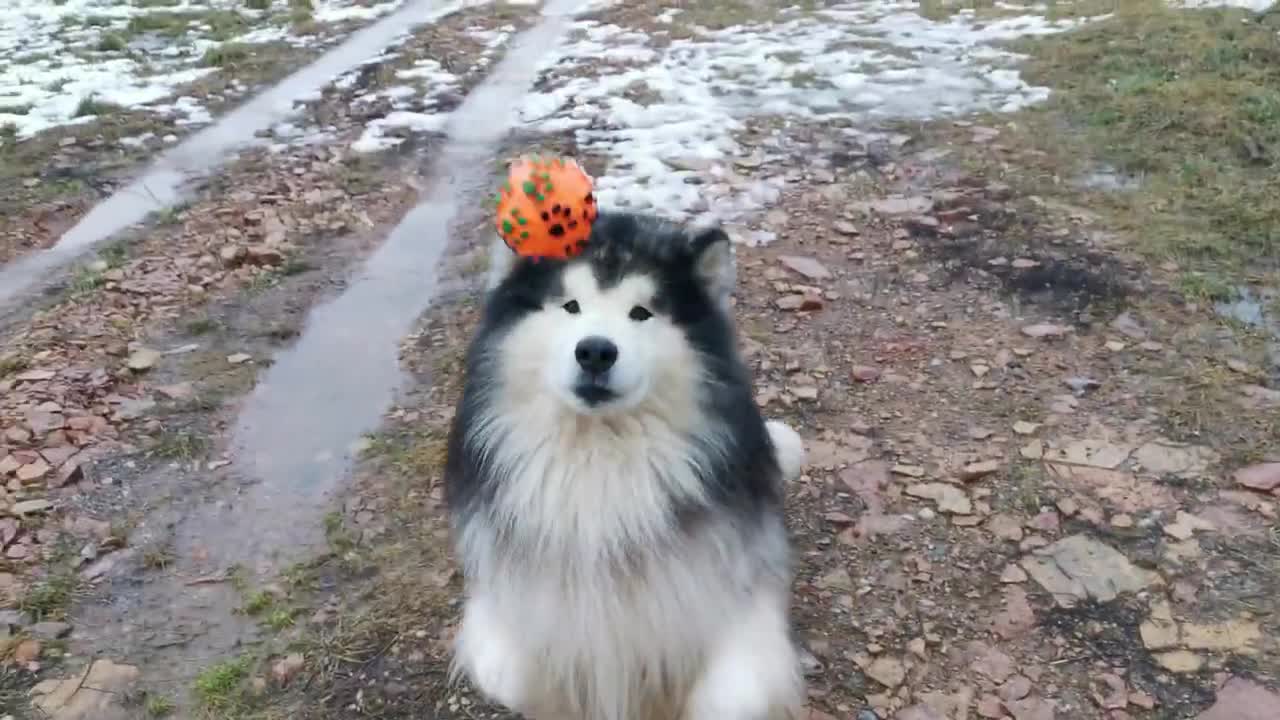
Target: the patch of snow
pixel 328 11
pixel 654 110
pixel 1254 5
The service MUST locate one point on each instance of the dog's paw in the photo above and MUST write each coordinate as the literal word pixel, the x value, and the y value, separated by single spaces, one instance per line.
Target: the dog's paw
pixel 484 652
pixel 753 675
pixel 788 448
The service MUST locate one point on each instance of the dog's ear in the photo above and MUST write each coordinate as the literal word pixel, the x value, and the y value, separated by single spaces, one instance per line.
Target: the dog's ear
pixel 713 262
pixel 501 261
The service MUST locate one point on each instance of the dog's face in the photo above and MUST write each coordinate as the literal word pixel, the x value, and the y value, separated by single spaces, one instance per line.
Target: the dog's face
pixel 626 322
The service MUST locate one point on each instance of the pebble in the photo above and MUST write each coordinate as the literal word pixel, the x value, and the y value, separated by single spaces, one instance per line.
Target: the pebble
pixel 143 359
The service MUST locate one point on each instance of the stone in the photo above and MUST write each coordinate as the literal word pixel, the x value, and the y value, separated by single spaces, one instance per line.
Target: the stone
pixel 978 470
pixel 98 693
pixel 806 266
pixel 35 376
pixel 8 464
pixel 1090 453
pixel 886 670
pixel 897 205
pixel 837 579
pixel 1023 427
pixel 1045 331
pixel 989 662
pixel 231 255
pixel 1078 567
pixel 1031 709
pixel 949 498
pixel 1013 574
pixel 1159 631
pixel 865 373
pixel 143 359
pixel 1242 699
pixel 32 472
pixel 179 391
pixel 1235 636
pixel 1015 688
pixel 1165 457
pixel 1017 616
pixel 49 630
pixel 27 652
pixel 30 507
pixel 989 706
pixel 1005 527
pixel 1264 476
pixel 287 668
pixel 1180 661
pixel 1185 525
pixel 239 358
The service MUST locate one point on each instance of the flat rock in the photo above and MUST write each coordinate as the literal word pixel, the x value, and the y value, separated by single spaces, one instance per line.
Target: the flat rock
pixel 1078 567
pixel 949 498
pixel 1159 631
pixel 1165 457
pixel 989 662
pixel 1242 699
pixel 978 470
pixel 1264 476
pixel 143 359
pixel 98 693
pixel 886 670
pixel 30 507
pixel 1236 636
pixel 49 630
pixel 897 205
pixel 1180 661
pixel 1045 331
pixel 1185 525
pixel 806 266
pixel 1090 453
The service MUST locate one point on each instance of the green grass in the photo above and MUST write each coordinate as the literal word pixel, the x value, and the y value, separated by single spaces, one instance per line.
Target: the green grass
pixel 258 4
pixel 1190 102
pixel 85 281
pixel 279 619
pixel 52 596
pixel 227 55
pixel 159 706
pixel 180 445
pixel 11 364
pixel 258 603
pixel 112 42
pixel 92 106
pixel 218 686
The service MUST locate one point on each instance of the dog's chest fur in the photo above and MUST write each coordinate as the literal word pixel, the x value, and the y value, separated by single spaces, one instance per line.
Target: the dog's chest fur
pixel 587 553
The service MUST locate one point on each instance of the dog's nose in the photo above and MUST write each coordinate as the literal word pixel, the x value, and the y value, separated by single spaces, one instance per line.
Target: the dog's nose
pixel 596 354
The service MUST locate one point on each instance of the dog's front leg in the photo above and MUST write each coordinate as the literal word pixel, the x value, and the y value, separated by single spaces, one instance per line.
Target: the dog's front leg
pixel 486 651
pixel 753 671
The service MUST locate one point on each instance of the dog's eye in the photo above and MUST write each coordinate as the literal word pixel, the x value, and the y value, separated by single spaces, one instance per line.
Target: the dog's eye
pixel 640 314
pixel 571 307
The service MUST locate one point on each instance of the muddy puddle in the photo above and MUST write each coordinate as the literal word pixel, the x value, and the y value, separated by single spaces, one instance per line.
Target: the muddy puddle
pixel 169 179
pixel 297 433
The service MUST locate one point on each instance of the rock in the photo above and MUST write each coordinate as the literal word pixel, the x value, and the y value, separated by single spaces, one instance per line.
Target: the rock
pixel 865 373
pixel 1159 631
pixel 32 472
pixel 989 662
pixel 916 712
pixel 1033 450
pixel 50 630
pixel 949 498
pixel 1016 617
pixel 914 471
pixel 1165 457
pixel 1078 567
pixel 846 228
pixel 806 266
pixel 285 669
pixel 1005 527
pixel 1129 327
pixel 30 507
pixel 1236 636
pixel 798 302
pixel 1023 427
pixel 27 652
pixel 1045 331
pixel 1185 525
pixel 989 706
pixel 35 376
pixel 837 579
pixel 1180 661
pixel 1264 476
pixel 1090 453
pixel 1082 385
pixel 143 359
pixel 263 255
pixel 98 693
pixel 897 205
pixel 8 464
pixel 239 358
pixel 1031 709
pixel 179 391
pixel 1242 699
pixel 1013 574
pixel 1015 688
pixel 231 255
pixel 887 671
pixel 978 470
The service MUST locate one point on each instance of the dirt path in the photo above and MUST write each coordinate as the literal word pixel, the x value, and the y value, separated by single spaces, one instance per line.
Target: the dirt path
pixel 1044 473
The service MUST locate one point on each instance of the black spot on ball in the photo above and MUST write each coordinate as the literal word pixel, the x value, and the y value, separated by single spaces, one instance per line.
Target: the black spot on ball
pixel 546 216
pixel 556 230
pixel 555 209
pixel 568 249
pixel 573 224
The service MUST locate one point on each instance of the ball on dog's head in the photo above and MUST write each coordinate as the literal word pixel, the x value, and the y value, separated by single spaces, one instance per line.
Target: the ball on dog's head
pixel 546 208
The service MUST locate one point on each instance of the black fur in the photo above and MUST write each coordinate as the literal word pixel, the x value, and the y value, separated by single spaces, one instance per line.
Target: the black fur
pixel 744 477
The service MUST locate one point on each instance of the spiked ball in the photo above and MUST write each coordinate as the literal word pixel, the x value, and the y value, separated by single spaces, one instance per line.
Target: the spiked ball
pixel 546 207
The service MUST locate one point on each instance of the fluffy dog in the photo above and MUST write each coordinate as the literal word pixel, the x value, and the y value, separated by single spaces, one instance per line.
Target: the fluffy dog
pixel 614 494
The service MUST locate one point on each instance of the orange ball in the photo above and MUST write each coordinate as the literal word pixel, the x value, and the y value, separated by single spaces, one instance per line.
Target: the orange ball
pixel 546 207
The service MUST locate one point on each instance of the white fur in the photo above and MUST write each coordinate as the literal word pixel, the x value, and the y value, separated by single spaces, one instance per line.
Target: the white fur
pixel 605 609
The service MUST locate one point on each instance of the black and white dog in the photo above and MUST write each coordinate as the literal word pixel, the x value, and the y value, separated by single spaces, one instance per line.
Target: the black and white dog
pixel 614 493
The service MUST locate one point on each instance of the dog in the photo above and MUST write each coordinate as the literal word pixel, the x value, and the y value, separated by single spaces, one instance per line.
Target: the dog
pixel 615 497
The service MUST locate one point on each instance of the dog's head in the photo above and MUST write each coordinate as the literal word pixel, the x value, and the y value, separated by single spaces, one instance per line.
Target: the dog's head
pixel 634 319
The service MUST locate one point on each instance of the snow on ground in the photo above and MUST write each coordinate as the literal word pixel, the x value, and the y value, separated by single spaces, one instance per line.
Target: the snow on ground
pixel 1254 5
pixel 54 55
pixel 654 110
pixel 416 103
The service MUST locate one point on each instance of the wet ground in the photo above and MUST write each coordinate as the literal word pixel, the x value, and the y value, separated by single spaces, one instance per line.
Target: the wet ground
pixel 1043 479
